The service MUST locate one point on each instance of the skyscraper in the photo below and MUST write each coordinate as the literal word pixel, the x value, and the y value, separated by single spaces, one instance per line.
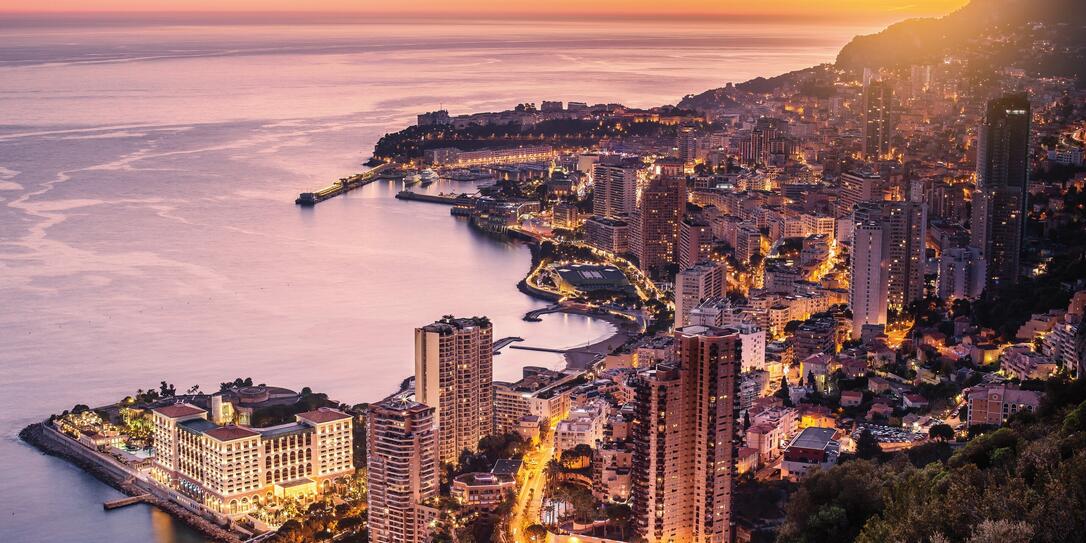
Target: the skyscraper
pixel 684 435
pixel 868 279
pixel 454 368
pixel 615 188
pixel 402 470
pixel 654 224
pixel 695 242
pixel 999 202
pixel 887 259
pixel 907 231
pixel 878 125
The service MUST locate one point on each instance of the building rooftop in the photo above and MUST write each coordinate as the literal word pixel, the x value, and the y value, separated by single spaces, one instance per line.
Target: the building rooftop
pixel 506 466
pixel 230 433
pixel 198 426
pixel 285 429
pixel 814 438
pixel 178 410
pixel 323 414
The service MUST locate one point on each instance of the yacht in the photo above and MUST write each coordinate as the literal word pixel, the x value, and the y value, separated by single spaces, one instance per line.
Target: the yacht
pixel 428 176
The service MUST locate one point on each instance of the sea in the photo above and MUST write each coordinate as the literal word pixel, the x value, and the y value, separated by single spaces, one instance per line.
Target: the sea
pixel 148 230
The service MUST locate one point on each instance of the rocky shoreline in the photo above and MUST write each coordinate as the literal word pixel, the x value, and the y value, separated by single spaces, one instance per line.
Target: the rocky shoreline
pixel 36 436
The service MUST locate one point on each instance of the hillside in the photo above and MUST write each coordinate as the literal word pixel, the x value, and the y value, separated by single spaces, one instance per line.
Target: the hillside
pixel 1044 37
pixel 1022 483
pixel 923 41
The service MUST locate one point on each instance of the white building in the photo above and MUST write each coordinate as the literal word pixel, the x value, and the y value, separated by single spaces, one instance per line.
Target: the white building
pixel 231 469
pixel 961 273
pixel 868 284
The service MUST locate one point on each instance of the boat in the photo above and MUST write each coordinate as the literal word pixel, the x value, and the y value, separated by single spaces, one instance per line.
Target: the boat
pixel 412 179
pixel 428 176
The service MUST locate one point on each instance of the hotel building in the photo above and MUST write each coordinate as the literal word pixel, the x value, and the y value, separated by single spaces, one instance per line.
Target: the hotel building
pixel 230 469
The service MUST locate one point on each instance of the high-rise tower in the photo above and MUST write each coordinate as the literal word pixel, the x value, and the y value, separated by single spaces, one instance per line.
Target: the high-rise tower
pixel 878 124
pixel 402 470
pixel 685 440
pixel 999 202
pixel 454 369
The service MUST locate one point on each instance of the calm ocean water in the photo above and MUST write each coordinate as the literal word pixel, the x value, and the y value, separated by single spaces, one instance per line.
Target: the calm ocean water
pixel 147 224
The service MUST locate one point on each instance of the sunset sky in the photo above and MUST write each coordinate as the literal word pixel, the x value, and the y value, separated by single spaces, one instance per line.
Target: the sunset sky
pixel 891 9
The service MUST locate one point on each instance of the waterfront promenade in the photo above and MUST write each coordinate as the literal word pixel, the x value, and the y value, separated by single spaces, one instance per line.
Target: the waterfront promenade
pixel 133 483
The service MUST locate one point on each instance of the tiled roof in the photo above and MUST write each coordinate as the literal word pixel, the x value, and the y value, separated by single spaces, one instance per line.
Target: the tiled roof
pixel 323 415
pixel 230 433
pixel 178 410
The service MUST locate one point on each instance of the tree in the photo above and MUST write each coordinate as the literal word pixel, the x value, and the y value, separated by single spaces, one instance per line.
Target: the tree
pixel 867 447
pixel 941 432
pixel 1001 531
pixel 782 392
pixel 535 533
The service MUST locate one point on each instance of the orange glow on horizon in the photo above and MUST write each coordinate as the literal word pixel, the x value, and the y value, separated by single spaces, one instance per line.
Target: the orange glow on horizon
pixel 886 9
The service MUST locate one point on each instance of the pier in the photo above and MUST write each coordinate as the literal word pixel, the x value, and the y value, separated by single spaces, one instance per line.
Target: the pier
pixel 533 315
pixel 342 186
pixel 503 342
pixel 124 502
pixel 446 199
pixel 539 349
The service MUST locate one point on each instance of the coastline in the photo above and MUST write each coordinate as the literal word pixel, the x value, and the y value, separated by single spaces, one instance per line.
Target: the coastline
pixel 38 436
pixel 580 357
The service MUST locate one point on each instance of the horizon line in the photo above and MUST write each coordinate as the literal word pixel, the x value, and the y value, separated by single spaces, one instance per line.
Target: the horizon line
pixel 337 16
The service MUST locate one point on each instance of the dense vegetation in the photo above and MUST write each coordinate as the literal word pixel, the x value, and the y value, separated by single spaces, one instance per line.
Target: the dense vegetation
pixel 1025 482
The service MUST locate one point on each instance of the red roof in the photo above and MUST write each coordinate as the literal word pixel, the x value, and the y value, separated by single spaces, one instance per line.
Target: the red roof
pixel 178 410
pixel 230 433
pixel 323 415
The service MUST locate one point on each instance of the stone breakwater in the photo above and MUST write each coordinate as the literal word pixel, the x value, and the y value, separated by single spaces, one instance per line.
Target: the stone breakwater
pixel 50 442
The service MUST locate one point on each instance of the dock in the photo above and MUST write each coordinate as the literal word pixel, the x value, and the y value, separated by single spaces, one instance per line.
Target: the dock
pixel 342 186
pixel 503 342
pixel 446 199
pixel 539 349
pixel 124 502
pixel 535 314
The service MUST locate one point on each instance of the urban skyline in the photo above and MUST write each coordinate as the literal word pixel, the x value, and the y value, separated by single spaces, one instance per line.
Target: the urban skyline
pixel 842 303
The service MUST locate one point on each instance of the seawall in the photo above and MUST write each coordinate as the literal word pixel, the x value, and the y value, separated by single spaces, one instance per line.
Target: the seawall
pixel 51 442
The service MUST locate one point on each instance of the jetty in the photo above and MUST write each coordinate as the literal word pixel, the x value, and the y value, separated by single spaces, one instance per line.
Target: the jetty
pixel 539 349
pixel 503 342
pixel 446 199
pixel 342 186
pixel 125 502
pixel 535 314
